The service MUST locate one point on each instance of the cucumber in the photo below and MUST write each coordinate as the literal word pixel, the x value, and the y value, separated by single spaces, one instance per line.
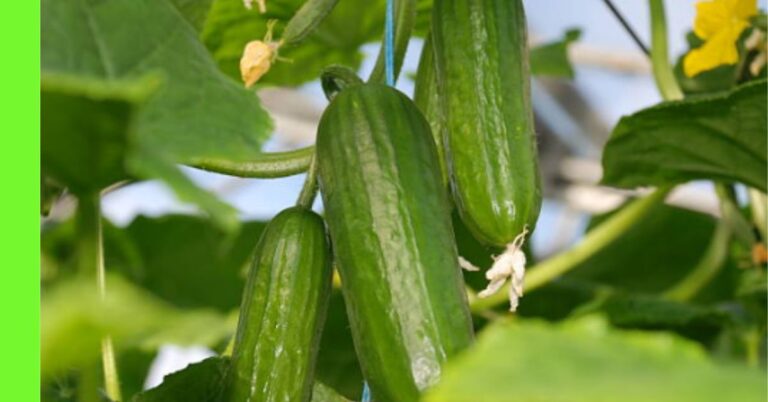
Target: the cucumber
pixel 283 311
pixel 425 95
pixel 481 58
pixel 389 220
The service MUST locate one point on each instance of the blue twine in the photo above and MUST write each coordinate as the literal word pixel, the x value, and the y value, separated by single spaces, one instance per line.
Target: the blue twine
pixel 389 72
pixel 389 43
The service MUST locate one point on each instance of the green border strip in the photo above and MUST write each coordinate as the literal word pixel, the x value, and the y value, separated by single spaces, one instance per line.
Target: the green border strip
pixel 20 232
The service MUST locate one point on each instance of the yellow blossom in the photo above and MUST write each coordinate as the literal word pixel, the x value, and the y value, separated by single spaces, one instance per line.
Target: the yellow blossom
pixel 256 61
pixel 258 57
pixel 719 23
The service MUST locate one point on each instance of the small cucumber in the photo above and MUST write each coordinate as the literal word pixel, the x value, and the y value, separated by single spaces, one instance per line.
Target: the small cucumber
pixel 283 311
pixel 389 220
pixel 481 57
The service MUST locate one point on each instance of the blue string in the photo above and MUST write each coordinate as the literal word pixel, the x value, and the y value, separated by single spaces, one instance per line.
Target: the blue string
pixel 389 43
pixel 389 72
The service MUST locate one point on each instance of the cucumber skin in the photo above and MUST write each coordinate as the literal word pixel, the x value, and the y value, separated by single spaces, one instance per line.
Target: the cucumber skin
pixel 425 96
pixel 389 220
pixel 283 311
pixel 483 78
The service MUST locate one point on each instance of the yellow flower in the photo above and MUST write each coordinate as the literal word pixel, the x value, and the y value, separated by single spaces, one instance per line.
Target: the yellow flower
pixel 719 23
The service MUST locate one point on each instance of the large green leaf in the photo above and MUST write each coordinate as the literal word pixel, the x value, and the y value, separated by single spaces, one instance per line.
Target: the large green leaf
pixel 88 140
pixel 197 113
pixel 551 59
pixel 720 137
pixel 194 11
pixel 587 361
pixel 337 40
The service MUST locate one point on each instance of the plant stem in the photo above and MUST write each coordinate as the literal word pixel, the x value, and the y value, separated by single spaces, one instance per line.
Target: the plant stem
pixel 309 189
pixel 335 78
pixel 758 203
pixel 266 166
pixel 662 72
pixel 88 385
pixel 91 264
pixel 594 241
pixel 405 17
pixel 706 269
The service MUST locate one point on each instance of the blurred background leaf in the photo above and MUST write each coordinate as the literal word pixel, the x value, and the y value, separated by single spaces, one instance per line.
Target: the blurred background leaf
pixel 551 59
pixel 74 318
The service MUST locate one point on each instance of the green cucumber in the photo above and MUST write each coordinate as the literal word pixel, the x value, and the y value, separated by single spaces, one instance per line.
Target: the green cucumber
pixel 425 95
pixel 389 220
pixel 481 57
pixel 283 311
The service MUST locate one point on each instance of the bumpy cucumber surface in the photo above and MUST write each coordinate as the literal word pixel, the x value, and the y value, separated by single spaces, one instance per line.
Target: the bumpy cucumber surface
pixel 425 96
pixel 389 220
pixel 483 78
pixel 283 311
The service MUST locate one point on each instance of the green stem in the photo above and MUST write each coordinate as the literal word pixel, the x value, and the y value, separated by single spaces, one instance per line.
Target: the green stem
pixel 90 261
pixel 306 19
pixel 758 204
pixel 706 269
pixel 738 224
pixel 405 18
pixel 594 241
pixel 88 384
pixel 752 347
pixel 266 166
pixel 662 71
pixel 335 78
pixel 309 189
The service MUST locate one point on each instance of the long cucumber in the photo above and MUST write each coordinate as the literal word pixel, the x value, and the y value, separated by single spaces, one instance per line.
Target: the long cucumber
pixel 389 220
pixel 481 56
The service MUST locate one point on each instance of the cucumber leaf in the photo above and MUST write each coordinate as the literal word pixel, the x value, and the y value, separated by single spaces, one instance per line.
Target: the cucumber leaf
pixel 719 137
pixel 197 113
pixel 585 360
pixel 194 11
